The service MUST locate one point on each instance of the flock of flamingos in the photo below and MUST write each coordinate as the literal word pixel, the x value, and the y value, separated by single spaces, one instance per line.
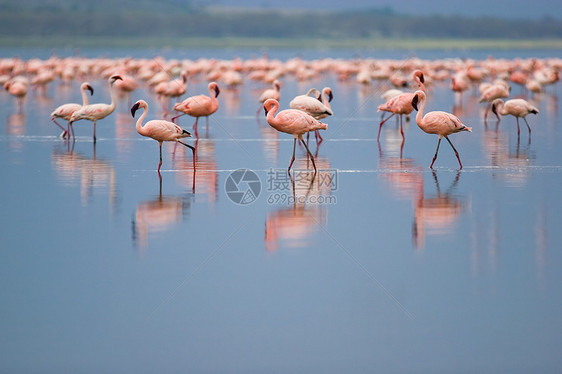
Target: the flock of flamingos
pixel 168 80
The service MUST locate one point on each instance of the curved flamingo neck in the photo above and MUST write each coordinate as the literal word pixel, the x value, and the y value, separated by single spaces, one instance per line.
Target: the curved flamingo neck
pixel 85 100
pixel 419 116
pixel 325 100
pixel 113 95
pixel 139 126
pixel 271 114
pixel 420 84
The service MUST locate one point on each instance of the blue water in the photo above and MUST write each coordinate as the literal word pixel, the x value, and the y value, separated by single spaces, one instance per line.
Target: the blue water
pixel 376 265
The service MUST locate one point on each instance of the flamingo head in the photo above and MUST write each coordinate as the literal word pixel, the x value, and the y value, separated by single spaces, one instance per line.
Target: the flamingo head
pixel 330 95
pixel 269 104
pixel 415 101
pixel 419 74
pixel 215 87
pixel 137 105
pixel 115 78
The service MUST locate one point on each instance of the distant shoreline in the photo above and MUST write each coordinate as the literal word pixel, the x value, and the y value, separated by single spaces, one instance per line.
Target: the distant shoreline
pixel 239 42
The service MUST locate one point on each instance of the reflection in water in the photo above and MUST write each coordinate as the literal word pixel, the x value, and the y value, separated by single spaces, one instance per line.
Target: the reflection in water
pixel 73 168
pixel 203 178
pixel 157 215
pixel 308 195
pixel 435 214
pixel 405 177
pixel 512 161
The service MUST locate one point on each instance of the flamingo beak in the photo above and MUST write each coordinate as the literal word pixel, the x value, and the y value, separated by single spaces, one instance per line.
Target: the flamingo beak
pixel 134 108
pixel 89 88
pixel 422 79
pixel 494 109
pixel 415 102
pixel 217 91
pixel 330 96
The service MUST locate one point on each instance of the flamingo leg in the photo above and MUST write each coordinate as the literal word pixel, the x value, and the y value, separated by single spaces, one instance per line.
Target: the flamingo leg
pixel 192 149
pixel 63 135
pixel 174 118
pixel 518 130
pixel 527 123
pixel 318 136
pixel 435 157
pixel 292 158
pixel 94 131
pixel 401 129
pixel 456 153
pixel 486 112
pixel 160 163
pixel 72 131
pixel 382 122
pixel 310 154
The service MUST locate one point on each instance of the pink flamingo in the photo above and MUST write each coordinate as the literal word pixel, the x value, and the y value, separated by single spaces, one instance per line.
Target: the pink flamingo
pixel 401 104
pixel 515 107
pixel 65 111
pixel 440 123
pixel 200 105
pixel 169 89
pixel 292 121
pixel 317 106
pixel 18 87
pixel 498 90
pixel 95 112
pixel 271 93
pixel 160 130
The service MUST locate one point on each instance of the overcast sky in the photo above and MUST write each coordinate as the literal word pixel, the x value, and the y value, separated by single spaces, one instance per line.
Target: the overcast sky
pixel 525 9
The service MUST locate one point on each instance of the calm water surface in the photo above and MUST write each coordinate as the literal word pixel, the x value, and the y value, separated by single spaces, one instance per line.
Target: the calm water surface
pixel 376 265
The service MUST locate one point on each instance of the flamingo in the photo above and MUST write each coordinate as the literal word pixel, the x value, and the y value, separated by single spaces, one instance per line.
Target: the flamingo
pixel 515 107
pixel 401 104
pixel 271 93
pixel 160 130
pixel 18 87
pixel 292 121
pixel 95 112
pixel 498 90
pixel 169 89
pixel 317 106
pixel 65 111
pixel 440 123
pixel 200 105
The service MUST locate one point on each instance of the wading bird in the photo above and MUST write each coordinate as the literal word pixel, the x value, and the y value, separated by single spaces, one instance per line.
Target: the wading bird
pixel 515 107
pixel 95 112
pixel 200 105
pixel 160 130
pixel 401 104
pixel 440 123
pixel 65 111
pixel 292 121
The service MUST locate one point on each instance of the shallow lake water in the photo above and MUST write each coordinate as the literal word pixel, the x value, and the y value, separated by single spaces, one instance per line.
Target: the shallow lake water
pixel 378 264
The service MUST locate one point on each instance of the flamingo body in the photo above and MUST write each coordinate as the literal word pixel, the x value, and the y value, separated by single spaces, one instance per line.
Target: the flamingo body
pixel 65 111
pixel 95 112
pixel 440 123
pixel 292 121
pixel 200 105
pixel 159 130
pixel 519 108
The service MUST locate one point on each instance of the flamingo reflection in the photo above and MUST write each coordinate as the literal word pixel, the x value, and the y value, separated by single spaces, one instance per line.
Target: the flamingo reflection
pixel 206 177
pixel 92 174
pixel 296 223
pixel 435 214
pixel 157 215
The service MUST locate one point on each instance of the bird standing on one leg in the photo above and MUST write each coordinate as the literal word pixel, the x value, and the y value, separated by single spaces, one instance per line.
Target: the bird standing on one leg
pixel 160 130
